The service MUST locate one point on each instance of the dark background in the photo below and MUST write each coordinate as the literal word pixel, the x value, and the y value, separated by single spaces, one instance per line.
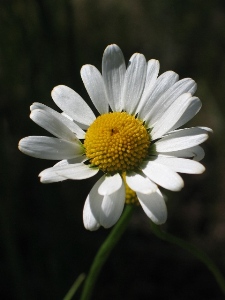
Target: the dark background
pixel 44 246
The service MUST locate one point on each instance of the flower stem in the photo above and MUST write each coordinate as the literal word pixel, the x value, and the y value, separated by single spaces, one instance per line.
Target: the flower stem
pixel 199 254
pixel 74 287
pixel 104 252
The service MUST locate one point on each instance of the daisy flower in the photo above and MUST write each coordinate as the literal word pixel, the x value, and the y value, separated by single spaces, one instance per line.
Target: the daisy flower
pixel 135 141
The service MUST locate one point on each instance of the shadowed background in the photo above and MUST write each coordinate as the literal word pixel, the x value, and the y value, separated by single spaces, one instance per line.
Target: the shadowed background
pixel 44 246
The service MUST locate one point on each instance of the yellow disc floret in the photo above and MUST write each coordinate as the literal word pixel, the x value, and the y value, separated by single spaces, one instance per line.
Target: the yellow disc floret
pixel 116 142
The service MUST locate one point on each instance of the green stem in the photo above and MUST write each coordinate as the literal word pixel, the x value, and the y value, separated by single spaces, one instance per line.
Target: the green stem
pixel 74 287
pixel 199 254
pixel 104 252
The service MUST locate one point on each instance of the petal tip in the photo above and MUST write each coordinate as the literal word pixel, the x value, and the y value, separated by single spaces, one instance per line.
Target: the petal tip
pixel 112 47
pixel 57 89
pixel 201 169
pixel 160 221
pixel 21 144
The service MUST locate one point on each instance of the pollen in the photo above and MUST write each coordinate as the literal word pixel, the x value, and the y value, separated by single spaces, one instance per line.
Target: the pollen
pixel 116 142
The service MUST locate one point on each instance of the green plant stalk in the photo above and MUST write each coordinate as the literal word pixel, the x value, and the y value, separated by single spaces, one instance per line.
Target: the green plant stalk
pixel 199 254
pixel 104 252
pixel 74 287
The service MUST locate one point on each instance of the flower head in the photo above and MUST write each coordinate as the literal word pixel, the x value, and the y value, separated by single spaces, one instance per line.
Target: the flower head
pixel 135 141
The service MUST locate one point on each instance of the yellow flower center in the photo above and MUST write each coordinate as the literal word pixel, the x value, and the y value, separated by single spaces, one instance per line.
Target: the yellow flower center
pixel 116 142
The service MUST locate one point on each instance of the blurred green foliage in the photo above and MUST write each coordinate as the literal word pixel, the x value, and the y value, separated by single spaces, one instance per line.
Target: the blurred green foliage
pixel 44 246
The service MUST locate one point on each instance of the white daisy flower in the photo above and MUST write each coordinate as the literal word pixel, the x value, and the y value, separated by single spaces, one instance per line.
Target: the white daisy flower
pixel 134 142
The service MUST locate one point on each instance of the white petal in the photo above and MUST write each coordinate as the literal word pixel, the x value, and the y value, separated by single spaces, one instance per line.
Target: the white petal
pixel 190 112
pixel 76 160
pixel 83 126
pixel 50 148
pixel 140 183
pixel 113 71
pixel 50 175
pixel 72 104
pixel 52 124
pixel 163 83
pixel 198 153
pixel 76 171
pixel 110 184
pixel 103 210
pixel 171 116
pixel 186 85
pixel 181 165
pixel 207 129
pixel 195 153
pixel 112 207
pixel 91 209
pixel 154 206
pixel 162 175
pixel 94 85
pixel 69 123
pixel 181 139
pixel 152 74
pixel 134 82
